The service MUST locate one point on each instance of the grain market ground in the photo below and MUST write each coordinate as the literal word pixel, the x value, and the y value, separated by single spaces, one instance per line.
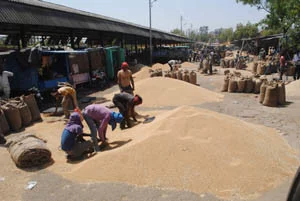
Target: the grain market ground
pixel 244 106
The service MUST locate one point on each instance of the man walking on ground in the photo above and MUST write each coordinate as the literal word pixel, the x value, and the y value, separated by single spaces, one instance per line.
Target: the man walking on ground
pixel 126 103
pixel 125 79
pixel 296 60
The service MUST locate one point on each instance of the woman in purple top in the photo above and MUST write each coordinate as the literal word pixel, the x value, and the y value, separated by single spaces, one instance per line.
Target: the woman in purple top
pixel 70 142
pixel 98 116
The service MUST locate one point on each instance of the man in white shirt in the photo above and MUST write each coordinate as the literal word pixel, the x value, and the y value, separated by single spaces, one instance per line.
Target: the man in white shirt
pixel 296 60
pixel 172 64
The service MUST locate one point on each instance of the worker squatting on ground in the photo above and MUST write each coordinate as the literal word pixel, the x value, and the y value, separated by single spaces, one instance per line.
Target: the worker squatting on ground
pixel 69 97
pixel 72 141
pixel 4 83
pixel 125 79
pixel 125 103
pixel 98 116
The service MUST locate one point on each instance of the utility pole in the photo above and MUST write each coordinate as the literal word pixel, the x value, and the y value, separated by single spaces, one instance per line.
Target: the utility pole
pixel 150 30
pixel 181 18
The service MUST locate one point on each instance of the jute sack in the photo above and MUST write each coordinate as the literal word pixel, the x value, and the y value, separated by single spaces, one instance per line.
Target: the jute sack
pixel 225 85
pixel 261 68
pixel 167 74
pixel 254 67
pixel 249 85
pixel 232 87
pixel 193 77
pixel 25 114
pixel 291 71
pixel 223 65
pixel 174 75
pixel 186 76
pixel 206 65
pixel 257 83
pixel 3 123
pixel 13 116
pixel 262 92
pixel 231 63
pixel 27 151
pixel 271 98
pixel 33 107
pixel 179 75
pixel 226 72
pixel 241 83
pixel 227 63
pixel 281 94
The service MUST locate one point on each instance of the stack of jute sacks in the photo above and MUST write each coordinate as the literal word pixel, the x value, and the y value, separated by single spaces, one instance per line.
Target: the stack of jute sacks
pixel 18 113
pixel 235 83
pixel 259 67
pixel 156 73
pixel 227 63
pixel 184 75
pixel 272 93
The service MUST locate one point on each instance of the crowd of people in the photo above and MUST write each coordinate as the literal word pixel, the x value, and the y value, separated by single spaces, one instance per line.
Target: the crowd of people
pixel 97 117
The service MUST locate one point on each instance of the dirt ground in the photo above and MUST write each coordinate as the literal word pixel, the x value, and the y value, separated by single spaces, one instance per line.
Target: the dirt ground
pixel 52 185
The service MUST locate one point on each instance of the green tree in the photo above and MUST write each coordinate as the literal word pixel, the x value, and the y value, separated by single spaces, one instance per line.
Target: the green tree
pixel 282 14
pixel 245 31
pixel 178 32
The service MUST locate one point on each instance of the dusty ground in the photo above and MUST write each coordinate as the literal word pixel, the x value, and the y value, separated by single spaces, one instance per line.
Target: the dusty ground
pixel 51 186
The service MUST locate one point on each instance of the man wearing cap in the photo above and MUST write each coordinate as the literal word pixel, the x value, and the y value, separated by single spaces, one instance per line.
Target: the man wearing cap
pixel 97 115
pixel 126 103
pixel 125 79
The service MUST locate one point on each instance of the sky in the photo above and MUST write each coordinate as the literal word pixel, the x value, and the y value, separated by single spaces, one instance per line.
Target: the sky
pixel 166 13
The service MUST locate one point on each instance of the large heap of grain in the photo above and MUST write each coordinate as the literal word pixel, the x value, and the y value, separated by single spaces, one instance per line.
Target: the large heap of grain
pixel 143 73
pixel 189 65
pixel 161 91
pixel 164 67
pixel 196 150
pixel 292 89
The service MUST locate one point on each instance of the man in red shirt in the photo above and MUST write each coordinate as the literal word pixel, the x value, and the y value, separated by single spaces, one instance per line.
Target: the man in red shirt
pixel 282 66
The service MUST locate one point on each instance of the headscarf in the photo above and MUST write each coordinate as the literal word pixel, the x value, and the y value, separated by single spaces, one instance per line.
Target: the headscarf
pixel 74 125
pixel 114 119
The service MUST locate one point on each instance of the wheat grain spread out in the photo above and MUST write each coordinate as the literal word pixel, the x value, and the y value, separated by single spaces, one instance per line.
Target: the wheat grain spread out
pixel 292 89
pixel 196 150
pixel 162 91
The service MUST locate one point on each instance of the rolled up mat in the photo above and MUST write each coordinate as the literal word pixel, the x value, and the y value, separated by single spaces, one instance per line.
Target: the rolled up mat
pixel 27 150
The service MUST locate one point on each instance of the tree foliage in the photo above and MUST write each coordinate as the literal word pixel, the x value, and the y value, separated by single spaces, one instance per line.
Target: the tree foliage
pixel 178 32
pixel 282 14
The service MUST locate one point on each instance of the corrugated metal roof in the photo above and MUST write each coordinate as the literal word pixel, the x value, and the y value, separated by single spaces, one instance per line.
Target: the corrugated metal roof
pixel 34 12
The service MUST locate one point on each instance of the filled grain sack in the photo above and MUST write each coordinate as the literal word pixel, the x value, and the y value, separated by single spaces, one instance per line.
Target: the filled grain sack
pixel 257 84
pixel 253 67
pixel 27 150
pixel 33 107
pixel 193 77
pixel 281 93
pixel 262 92
pixel 179 75
pixel 271 98
pixel 225 85
pixel 186 76
pixel 13 116
pixel 222 63
pixel 226 72
pixel 291 71
pixel 174 74
pixel 25 114
pixel 261 68
pixel 3 123
pixel 167 74
pixel 227 63
pixel 231 63
pixel 249 85
pixel 232 87
pixel 241 83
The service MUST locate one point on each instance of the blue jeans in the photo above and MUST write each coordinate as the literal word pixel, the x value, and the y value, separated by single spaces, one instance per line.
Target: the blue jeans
pixel 93 128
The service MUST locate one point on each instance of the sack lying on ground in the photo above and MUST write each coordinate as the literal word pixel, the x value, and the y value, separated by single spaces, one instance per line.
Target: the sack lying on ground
pixel 33 107
pixel 27 150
